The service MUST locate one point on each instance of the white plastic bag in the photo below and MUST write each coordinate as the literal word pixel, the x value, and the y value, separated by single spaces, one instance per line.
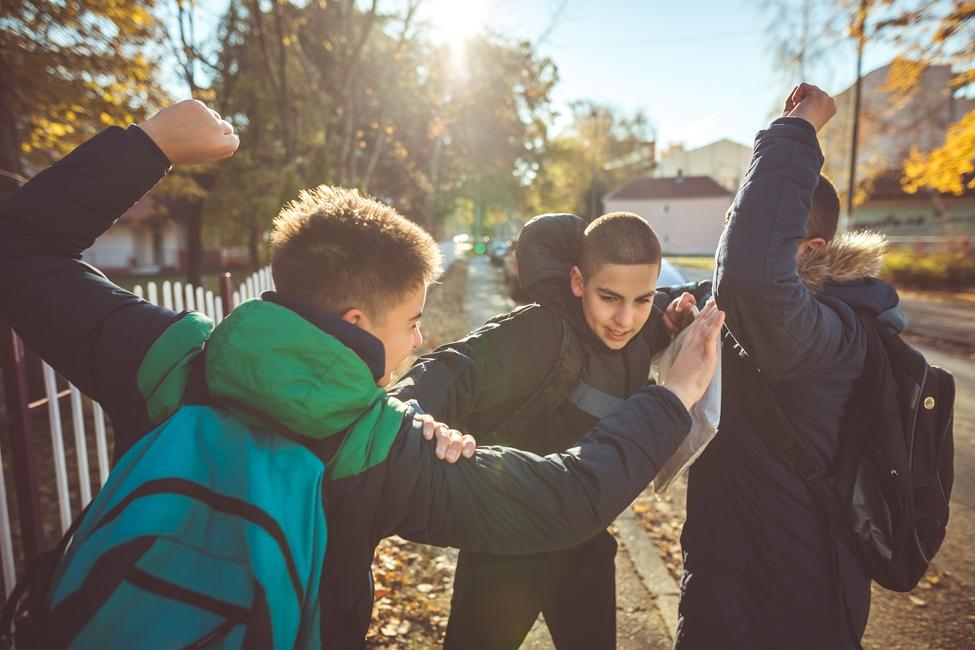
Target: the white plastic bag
pixel 705 415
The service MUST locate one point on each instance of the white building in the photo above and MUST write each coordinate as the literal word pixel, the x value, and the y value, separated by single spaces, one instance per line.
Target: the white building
pixel 687 212
pixel 725 161
pixel 142 241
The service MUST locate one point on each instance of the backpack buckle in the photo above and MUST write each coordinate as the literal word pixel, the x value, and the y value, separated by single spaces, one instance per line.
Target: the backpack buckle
pixel 808 469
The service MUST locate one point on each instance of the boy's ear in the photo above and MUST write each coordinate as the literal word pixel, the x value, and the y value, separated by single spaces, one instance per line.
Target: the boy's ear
pixel 356 317
pixel 807 246
pixel 576 281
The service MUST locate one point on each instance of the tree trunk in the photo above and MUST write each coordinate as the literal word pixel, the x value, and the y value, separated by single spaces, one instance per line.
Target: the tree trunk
pixel 194 243
pixel 11 169
pixel 254 247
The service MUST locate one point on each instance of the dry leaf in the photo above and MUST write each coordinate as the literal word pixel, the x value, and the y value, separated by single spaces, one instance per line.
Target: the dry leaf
pixel 917 602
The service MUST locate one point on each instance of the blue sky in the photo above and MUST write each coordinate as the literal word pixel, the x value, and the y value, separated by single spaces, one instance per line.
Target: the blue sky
pixel 700 70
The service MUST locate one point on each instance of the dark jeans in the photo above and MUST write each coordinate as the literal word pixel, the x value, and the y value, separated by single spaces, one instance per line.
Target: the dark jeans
pixel 498 597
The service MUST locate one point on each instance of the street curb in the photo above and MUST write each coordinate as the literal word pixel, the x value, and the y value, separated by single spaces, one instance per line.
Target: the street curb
pixel 663 589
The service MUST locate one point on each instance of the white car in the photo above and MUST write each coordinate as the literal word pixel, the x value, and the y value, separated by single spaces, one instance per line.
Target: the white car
pixel 670 275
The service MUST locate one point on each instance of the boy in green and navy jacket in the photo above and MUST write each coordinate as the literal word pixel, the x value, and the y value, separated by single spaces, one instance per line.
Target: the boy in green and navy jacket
pixel 260 462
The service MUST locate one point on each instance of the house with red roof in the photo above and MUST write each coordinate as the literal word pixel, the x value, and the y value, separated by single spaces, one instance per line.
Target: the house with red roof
pixel 686 212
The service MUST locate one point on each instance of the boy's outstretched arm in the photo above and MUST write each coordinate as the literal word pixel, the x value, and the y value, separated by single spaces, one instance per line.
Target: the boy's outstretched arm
pixel 91 331
pixel 509 501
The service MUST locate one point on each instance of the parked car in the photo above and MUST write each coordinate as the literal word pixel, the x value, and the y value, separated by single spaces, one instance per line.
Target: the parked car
pixel 497 250
pixel 670 274
pixel 463 243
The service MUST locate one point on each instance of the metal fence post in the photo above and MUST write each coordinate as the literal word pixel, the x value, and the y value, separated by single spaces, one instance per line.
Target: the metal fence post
pixel 226 294
pixel 13 362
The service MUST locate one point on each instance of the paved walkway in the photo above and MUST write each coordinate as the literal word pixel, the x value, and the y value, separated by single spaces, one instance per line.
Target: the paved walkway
pixel 643 621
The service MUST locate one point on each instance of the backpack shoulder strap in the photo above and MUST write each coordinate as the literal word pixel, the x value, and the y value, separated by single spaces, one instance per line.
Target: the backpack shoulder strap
pixel 792 450
pixel 780 437
pixel 557 384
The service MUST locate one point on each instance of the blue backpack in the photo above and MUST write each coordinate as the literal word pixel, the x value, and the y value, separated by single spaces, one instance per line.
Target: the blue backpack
pixel 208 533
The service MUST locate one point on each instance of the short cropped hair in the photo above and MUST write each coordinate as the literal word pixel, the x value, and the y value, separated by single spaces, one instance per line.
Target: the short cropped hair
pixel 824 214
pixel 335 249
pixel 824 211
pixel 618 238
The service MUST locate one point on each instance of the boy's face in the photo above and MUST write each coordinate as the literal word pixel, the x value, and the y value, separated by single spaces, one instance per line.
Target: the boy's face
pixel 616 300
pixel 399 330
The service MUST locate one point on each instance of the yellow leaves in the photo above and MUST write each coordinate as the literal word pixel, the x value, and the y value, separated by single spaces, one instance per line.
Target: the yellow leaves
pixel 106 119
pixel 902 80
pixel 963 78
pixel 206 95
pixel 945 168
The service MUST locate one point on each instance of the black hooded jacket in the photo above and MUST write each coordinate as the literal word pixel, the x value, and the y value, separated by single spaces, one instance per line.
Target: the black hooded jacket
pixel 537 378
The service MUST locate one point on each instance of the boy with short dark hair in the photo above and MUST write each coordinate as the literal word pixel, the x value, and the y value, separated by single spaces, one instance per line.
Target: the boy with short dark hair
pixel 236 444
pixel 537 379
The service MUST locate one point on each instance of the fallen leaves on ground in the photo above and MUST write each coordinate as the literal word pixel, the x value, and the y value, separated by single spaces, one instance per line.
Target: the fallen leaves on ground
pixel 414 582
pixel 663 520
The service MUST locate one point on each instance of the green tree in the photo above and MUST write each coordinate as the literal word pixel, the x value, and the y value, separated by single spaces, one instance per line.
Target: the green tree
pixel 599 150
pixel 67 70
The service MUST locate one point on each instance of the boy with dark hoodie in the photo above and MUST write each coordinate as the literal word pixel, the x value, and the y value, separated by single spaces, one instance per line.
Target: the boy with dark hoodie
pixel 762 569
pixel 537 379
pixel 260 462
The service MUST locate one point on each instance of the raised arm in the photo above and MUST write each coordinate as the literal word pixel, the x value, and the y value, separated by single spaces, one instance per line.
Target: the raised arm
pixel 509 501
pixel 769 310
pixel 91 331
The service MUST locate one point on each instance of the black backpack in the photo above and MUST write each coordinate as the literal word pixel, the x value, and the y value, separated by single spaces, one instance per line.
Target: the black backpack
pixel 887 499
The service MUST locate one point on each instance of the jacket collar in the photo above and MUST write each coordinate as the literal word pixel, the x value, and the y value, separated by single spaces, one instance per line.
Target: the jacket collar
pixel 851 256
pixel 366 346
pixel 846 269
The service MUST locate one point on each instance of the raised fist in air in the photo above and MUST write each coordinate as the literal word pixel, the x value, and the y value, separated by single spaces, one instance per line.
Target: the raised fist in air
pixel 189 132
pixel 811 104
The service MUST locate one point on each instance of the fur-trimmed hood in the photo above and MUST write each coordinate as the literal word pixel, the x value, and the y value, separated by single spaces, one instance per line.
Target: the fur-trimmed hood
pixel 847 268
pixel 851 256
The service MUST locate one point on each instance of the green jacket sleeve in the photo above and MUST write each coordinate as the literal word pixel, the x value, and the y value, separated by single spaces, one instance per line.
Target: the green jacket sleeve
pixel 509 501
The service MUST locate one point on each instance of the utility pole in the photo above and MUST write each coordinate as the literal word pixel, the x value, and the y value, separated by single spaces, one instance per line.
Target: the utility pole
pixel 861 20
pixel 594 114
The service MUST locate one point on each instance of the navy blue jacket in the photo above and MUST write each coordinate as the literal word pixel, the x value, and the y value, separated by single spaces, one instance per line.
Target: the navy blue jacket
pixel 758 558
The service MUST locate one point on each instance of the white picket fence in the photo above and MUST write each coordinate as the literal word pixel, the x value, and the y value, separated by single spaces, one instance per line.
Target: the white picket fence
pixel 172 295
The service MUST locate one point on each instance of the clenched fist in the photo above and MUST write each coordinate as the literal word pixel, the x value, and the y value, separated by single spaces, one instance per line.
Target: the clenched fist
pixel 811 104
pixel 189 132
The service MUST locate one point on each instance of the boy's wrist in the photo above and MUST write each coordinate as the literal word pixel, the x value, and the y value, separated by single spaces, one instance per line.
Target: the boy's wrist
pixel 795 120
pixel 139 134
pixel 681 392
